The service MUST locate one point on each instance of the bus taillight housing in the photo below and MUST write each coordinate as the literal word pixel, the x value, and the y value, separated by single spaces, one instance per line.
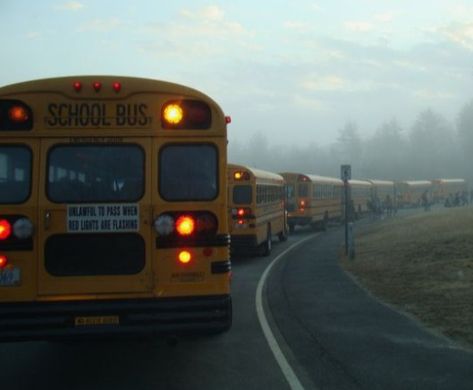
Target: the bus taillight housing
pixel 3 261
pixel 186 114
pixel 16 232
pixel 242 212
pixel 303 204
pixel 5 229
pixel 186 224
pixel 241 175
pixel 15 115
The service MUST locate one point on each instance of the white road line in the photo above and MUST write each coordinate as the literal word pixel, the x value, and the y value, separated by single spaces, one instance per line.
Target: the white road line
pixel 286 368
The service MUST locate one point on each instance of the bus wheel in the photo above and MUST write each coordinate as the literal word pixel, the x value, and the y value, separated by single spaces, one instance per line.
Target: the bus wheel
pixel 267 245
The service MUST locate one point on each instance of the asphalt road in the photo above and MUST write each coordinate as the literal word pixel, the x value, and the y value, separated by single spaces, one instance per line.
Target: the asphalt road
pixel 239 359
pixel 330 331
pixel 340 337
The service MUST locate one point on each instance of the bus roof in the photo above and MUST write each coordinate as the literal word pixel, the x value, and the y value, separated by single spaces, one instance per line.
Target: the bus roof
pixel 421 183
pixel 360 183
pixel 449 181
pixel 381 182
pixel 128 86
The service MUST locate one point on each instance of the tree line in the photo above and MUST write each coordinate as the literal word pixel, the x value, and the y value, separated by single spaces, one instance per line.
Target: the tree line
pixel 431 147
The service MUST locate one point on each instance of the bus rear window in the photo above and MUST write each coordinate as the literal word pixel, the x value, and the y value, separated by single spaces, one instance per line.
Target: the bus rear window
pixel 242 194
pixel 188 172
pixel 95 173
pixel 303 190
pixel 15 174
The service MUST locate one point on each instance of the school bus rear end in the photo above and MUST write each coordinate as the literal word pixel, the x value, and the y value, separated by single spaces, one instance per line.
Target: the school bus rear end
pixel 113 211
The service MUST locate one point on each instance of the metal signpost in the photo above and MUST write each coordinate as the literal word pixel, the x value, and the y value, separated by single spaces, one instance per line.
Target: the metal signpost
pixel 345 174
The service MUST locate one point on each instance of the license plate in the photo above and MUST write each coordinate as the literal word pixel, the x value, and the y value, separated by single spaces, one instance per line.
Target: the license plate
pixel 10 277
pixel 98 320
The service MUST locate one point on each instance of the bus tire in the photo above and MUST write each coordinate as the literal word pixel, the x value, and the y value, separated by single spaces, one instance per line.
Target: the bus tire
pixel 267 245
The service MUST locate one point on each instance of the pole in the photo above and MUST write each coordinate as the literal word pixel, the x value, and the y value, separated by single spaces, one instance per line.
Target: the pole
pixel 345 184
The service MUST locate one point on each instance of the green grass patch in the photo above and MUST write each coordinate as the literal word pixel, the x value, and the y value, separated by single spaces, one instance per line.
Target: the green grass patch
pixel 423 264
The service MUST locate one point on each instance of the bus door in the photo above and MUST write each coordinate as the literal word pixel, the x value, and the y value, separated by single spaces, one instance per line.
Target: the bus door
pixel 95 216
pixel 18 218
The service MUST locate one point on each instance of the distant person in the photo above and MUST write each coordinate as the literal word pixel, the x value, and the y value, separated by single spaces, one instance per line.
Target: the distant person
pixel 456 201
pixel 464 198
pixel 389 205
pixel 448 201
pixel 425 201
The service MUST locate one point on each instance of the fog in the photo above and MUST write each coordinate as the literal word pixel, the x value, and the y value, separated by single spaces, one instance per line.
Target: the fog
pixel 431 147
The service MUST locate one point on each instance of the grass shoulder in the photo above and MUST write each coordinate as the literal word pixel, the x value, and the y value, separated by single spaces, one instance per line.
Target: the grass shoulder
pixel 423 264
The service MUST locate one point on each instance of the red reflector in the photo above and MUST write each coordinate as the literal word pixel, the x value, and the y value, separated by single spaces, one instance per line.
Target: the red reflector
pixel 185 225
pixel 184 257
pixel 3 261
pixel 228 119
pixel 208 252
pixel 5 229
pixel 18 114
pixel 77 85
pixel 240 222
pixel 97 85
pixel 116 86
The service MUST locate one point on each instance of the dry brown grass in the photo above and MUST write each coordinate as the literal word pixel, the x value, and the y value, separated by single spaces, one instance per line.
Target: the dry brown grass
pixel 422 264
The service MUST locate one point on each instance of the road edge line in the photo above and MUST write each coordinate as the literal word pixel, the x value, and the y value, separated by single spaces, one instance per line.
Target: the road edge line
pixel 286 369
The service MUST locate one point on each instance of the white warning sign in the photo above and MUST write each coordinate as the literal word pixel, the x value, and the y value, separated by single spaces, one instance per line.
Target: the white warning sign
pixel 102 218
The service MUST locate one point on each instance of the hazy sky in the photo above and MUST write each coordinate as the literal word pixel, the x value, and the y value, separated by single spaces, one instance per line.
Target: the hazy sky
pixel 294 70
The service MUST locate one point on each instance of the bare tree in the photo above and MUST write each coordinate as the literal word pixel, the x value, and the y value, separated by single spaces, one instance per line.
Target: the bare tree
pixel 385 153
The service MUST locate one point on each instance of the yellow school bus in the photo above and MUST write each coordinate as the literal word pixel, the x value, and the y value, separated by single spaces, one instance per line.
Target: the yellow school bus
pixel 312 200
pixel 444 188
pixel 360 195
pixel 256 208
pixel 113 209
pixel 411 192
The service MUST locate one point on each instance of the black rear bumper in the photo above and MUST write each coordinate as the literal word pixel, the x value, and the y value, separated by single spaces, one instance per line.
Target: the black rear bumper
pixel 136 317
pixel 243 241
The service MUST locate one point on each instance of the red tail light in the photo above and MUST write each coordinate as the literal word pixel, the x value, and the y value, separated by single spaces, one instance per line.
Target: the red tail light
pixel 206 223
pixel 3 261
pixel 5 229
pixel 242 212
pixel 185 225
pixel 303 204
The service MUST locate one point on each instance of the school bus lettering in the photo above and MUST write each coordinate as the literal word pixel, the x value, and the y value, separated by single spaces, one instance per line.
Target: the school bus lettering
pixel 67 115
